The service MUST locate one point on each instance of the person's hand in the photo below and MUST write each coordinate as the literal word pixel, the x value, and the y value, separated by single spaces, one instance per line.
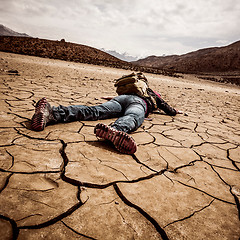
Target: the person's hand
pixel 179 112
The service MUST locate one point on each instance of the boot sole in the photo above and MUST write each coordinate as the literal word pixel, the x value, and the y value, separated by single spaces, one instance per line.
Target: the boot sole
pixel 121 140
pixel 38 123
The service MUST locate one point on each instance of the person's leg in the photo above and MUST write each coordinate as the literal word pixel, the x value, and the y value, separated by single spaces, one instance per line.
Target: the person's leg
pixel 134 113
pixel 45 114
pixel 131 107
pixel 110 109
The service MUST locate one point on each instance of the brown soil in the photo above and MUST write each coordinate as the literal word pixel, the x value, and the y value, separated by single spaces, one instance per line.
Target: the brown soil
pixel 63 183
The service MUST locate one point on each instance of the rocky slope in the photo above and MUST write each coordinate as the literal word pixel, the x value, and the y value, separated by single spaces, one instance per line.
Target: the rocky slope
pixel 58 50
pixel 69 52
pixel 216 59
pixel 225 60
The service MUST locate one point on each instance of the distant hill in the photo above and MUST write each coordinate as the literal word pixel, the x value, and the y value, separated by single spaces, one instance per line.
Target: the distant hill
pixel 4 31
pixel 224 60
pixel 216 59
pixel 58 50
pixel 124 56
pixel 69 52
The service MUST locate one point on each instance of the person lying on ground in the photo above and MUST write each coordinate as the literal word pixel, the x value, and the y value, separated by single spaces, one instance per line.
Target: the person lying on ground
pixel 129 109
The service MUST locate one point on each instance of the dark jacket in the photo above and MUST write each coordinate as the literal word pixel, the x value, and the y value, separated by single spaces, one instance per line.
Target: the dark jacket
pixel 155 102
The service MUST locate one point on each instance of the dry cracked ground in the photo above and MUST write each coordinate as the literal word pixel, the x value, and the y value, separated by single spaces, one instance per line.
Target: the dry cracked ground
pixel 64 183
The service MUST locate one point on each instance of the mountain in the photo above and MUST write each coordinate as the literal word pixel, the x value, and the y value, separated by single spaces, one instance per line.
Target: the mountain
pixel 59 50
pixel 4 31
pixel 216 59
pixel 220 61
pixel 69 52
pixel 125 57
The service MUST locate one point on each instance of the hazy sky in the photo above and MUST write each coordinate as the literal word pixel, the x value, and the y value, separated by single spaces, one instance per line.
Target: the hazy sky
pixel 138 27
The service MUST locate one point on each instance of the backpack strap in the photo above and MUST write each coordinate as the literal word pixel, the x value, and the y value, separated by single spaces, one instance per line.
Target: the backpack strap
pixel 153 98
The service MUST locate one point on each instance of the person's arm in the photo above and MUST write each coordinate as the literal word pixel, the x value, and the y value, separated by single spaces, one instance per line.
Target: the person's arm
pixel 161 104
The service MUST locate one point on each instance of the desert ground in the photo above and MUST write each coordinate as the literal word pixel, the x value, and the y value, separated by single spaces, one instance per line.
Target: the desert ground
pixel 64 183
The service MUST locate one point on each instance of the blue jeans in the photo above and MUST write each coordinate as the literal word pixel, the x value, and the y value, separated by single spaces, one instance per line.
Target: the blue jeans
pixel 129 109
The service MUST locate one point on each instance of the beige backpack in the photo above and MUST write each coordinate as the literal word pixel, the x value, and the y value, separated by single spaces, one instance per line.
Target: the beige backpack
pixel 135 83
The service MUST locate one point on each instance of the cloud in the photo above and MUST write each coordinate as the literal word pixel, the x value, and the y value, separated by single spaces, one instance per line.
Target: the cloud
pixel 137 26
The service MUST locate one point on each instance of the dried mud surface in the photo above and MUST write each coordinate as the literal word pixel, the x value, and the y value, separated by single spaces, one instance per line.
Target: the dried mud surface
pixel 64 183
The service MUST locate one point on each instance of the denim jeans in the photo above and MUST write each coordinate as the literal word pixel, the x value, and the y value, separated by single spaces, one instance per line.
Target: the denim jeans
pixel 129 109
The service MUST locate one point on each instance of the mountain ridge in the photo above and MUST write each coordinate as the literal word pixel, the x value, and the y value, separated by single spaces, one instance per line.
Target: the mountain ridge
pixel 223 62
pixel 5 31
pixel 213 59
pixel 68 51
pixel 122 56
pixel 13 42
pixel 58 50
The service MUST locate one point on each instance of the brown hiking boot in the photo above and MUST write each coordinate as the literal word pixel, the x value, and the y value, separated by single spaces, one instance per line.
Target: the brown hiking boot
pixel 121 140
pixel 42 116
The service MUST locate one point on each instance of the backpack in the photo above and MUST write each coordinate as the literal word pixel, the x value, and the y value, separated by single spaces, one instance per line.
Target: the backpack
pixel 135 83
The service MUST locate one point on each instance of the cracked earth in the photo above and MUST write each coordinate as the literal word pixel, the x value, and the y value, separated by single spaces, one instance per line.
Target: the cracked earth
pixel 64 183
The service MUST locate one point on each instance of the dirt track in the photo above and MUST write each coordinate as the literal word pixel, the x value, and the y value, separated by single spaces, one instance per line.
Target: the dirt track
pixel 63 183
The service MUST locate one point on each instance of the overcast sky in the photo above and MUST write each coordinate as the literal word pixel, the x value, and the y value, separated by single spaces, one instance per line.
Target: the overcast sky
pixel 138 27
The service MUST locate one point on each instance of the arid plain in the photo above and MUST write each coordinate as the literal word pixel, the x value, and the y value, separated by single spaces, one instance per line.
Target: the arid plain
pixel 63 183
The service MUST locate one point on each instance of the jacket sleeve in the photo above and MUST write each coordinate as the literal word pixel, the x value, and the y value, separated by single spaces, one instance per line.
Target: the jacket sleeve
pixel 161 104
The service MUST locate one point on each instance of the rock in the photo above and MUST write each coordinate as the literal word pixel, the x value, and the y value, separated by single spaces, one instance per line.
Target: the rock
pixel 13 71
